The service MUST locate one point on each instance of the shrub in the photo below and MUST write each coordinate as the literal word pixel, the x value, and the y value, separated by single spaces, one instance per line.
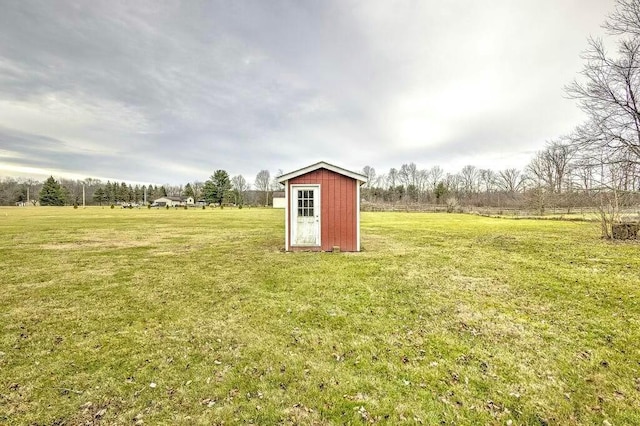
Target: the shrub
pixel 75 206
pixel 112 206
pixel 167 206
pixel 452 205
pixel 149 206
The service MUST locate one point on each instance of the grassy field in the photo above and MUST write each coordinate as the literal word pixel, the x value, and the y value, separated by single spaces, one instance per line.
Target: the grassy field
pixel 198 317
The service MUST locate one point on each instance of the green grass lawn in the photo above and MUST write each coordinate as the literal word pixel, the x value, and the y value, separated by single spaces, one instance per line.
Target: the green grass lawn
pixel 197 317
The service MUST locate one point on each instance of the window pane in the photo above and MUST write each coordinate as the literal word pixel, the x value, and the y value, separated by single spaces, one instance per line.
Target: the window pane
pixel 299 203
pixel 310 203
pixel 311 211
pixel 299 194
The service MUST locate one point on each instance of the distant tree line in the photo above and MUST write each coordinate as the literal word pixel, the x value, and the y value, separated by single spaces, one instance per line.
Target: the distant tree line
pixel 556 177
pixel 219 189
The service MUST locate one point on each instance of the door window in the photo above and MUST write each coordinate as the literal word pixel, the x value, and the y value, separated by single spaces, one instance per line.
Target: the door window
pixel 305 203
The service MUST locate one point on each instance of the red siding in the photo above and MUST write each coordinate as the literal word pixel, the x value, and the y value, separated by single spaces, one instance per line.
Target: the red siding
pixel 338 216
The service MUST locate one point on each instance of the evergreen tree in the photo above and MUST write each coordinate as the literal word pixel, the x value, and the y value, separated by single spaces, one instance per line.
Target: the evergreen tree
pixel 152 194
pixel 209 191
pixel 99 196
pixel 51 193
pixel 188 191
pixel 137 194
pixel 440 191
pixel 110 193
pixel 216 188
pixel 21 194
pixel 122 192
pixel 223 185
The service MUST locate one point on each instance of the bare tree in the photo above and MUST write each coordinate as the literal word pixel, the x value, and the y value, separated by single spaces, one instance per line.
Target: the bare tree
pixel 509 180
pixel 73 190
pixel 196 186
pixel 559 156
pixel 435 176
pixel 487 178
pixel 453 182
pixel 422 183
pixel 392 177
pixel 33 187
pixel 370 173
pixel 262 183
pixel 584 175
pixel 412 169
pixel 609 92
pixel 611 197
pixel 469 175
pixel 239 186
pixel 404 175
pixel 275 185
pixel 625 20
pixel 432 178
pixel 541 171
pixel 174 190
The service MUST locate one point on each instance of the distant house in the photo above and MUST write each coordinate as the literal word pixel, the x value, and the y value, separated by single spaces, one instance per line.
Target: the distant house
pixel 279 201
pixel 168 201
pixel 189 202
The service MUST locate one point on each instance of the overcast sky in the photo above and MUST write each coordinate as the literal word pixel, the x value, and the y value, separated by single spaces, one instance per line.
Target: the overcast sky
pixel 170 91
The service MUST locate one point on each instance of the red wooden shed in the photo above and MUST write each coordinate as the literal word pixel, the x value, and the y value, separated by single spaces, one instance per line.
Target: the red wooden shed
pixel 322 208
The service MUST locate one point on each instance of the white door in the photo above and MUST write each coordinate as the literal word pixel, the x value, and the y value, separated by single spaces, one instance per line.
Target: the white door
pixel 305 219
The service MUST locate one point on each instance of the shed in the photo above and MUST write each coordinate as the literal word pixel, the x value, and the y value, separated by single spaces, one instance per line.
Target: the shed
pixel 279 202
pixel 322 208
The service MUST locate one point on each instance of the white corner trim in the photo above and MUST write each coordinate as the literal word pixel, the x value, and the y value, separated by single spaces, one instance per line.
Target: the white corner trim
pixel 286 215
pixel 357 217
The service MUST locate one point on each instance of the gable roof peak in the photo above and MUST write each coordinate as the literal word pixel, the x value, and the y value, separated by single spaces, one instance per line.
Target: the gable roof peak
pixel 322 165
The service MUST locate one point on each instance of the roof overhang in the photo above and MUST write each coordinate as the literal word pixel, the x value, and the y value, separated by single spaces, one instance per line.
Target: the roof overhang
pixel 362 179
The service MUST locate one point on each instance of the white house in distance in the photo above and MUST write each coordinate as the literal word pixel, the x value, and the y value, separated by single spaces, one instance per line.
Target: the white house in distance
pixel 169 201
pixel 279 200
